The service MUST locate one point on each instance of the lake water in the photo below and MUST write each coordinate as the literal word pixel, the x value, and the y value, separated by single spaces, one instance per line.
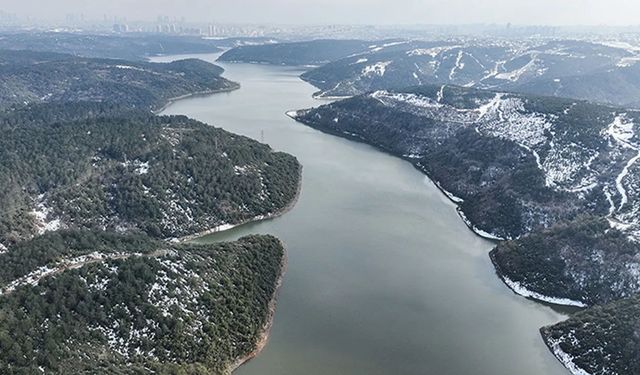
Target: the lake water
pixel 383 276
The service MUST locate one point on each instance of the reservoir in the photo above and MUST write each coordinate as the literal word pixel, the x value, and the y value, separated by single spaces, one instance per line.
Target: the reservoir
pixel 383 276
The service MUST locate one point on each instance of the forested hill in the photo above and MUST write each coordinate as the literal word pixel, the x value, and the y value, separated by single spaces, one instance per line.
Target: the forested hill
pixel 313 52
pixel 94 191
pixel 600 340
pixel 36 77
pixel 596 71
pixel 165 176
pixel 516 163
pixel 87 302
pixel 128 47
pixel 558 177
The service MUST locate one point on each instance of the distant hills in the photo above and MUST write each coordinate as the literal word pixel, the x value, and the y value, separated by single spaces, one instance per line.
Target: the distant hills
pixel 128 47
pixel 28 77
pixel 315 52
pixel 595 71
pixel 576 69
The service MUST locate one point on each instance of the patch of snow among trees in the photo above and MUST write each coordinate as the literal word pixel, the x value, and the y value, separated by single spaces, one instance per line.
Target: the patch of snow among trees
pixel 142 168
pixel 378 68
pixel 433 52
pixel 532 67
pixel 41 213
pixel 34 277
pixel 565 358
pixel 411 99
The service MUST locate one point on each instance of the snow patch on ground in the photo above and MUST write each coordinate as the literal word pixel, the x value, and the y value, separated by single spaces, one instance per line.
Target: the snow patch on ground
pixel 440 96
pixel 292 114
pixel 565 358
pixel 520 289
pixel 620 178
pixel 626 62
pixel 411 99
pixel 458 66
pixel 376 48
pixel 433 52
pixel 532 67
pixel 142 168
pixel 42 215
pixel 378 68
pixel 507 118
pixel 449 194
pixel 621 130
pixel 34 277
pixel 478 231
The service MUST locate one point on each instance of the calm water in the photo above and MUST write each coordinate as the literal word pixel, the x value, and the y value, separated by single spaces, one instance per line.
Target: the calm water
pixel 383 278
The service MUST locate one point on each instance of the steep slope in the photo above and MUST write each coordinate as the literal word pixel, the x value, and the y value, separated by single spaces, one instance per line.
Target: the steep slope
pixel 584 262
pixel 95 302
pixel 406 64
pixel 36 77
pixel 515 163
pixel 565 68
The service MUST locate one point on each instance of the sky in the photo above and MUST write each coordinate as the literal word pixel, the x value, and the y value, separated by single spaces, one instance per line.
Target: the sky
pixel 527 12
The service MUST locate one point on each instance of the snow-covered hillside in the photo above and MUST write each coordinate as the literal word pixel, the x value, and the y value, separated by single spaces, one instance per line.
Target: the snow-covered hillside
pixel 528 66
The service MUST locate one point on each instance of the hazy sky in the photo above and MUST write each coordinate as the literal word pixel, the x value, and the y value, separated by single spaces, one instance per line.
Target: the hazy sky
pixel 565 12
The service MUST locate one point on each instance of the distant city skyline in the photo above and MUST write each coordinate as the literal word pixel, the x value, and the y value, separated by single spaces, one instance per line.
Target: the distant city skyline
pixel 317 12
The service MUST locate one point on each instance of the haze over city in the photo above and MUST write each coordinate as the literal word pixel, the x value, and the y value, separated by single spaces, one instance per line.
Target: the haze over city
pixel 543 12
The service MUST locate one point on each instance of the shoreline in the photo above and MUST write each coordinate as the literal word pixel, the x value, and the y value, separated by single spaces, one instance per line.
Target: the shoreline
pixel 170 101
pixel 225 227
pixel 520 290
pixel 473 228
pixel 263 336
pixel 563 357
pixel 265 332
pixel 293 114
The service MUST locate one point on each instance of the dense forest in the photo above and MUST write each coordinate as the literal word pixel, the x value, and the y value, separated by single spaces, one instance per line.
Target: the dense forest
pixel 602 340
pixel 93 186
pixel 165 176
pixel 585 260
pixel 35 77
pixel 160 308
